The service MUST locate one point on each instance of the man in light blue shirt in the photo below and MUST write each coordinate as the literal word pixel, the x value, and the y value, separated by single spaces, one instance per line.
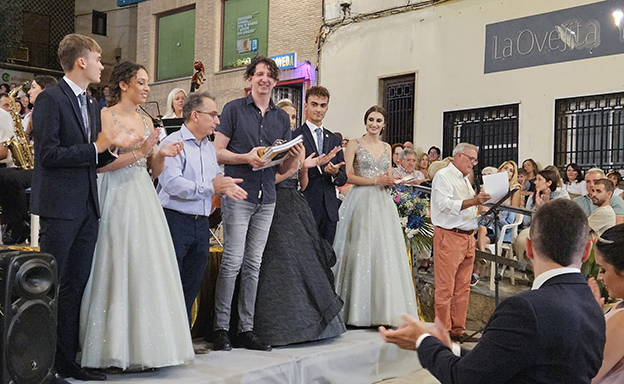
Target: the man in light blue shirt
pixel 186 187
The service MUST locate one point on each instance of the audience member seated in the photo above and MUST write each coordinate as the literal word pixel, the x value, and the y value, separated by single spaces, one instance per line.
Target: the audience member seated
pixel 586 204
pixel 434 154
pixel 422 166
pixel 610 259
pixel 102 100
pixel 603 216
pixel 486 235
pixel 396 153
pixel 522 179
pixel 407 167
pixel 616 178
pixel 408 144
pixel 488 171
pixel 574 181
pixel 531 168
pixel 511 168
pixel 437 165
pixel 545 190
pixel 560 191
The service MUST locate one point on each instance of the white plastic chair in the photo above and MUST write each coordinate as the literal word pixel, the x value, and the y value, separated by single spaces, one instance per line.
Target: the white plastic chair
pixel 506 248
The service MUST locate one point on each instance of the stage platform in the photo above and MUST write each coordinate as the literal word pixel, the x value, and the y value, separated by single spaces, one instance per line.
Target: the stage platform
pixel 358 356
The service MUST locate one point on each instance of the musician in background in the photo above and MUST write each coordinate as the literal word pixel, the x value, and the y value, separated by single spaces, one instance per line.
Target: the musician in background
pixel 15 180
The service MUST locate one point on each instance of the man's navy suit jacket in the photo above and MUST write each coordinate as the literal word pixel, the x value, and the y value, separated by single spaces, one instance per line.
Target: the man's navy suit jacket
pixel 321 190
pixel 554 334
pixel 64 178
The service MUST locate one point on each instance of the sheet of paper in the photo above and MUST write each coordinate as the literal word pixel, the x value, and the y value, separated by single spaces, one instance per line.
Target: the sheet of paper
pixel 496 185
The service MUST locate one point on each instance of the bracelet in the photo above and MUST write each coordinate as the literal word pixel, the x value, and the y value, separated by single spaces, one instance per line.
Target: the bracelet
pixel 375 180
pixel 135 156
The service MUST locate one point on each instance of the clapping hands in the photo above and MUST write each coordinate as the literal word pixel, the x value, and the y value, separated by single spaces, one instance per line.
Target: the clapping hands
pixel 148 145
pixel 411 329
pixel 228 186
pixel 312 161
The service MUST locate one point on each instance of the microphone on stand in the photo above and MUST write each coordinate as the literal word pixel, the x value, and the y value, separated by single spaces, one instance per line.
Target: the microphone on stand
pixel 478 181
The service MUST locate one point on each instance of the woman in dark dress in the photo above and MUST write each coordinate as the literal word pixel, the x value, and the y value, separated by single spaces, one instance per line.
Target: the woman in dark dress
pixel 296 300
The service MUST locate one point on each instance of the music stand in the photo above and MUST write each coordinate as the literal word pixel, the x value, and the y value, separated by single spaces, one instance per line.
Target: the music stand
pixel 495 209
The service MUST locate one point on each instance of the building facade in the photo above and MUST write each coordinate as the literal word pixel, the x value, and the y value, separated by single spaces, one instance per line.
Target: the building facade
pixel 521 78
pixel 114 27
pixel 224 35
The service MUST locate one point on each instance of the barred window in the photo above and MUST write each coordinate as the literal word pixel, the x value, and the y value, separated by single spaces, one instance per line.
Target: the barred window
pixel 398 100
pixel 493 129
pixel 589 131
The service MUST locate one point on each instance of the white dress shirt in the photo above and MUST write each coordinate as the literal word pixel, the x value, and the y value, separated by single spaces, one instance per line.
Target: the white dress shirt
pixel 449 189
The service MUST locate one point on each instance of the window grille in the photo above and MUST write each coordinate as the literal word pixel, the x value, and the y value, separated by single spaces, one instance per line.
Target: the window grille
pixel 589 131
pixel 493 129
pixel 398 101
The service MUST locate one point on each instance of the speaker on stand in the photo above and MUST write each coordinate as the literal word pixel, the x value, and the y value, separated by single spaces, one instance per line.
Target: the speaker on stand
pixel 28 307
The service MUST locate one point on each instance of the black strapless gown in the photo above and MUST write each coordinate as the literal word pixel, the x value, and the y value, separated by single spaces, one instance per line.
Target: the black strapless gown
pixel 296 300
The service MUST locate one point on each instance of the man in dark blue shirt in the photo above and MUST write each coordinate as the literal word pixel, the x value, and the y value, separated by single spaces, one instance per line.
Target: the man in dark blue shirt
pixel 247 125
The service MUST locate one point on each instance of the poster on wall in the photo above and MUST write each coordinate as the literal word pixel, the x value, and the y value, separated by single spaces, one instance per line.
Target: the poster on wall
pixel 8 76
pixel 245 31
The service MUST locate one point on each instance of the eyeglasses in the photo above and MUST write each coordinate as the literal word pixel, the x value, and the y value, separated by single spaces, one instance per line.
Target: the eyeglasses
pixel 213 114
pixel 473 160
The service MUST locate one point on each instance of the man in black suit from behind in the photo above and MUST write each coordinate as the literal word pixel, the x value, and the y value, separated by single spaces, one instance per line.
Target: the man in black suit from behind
pixel 554 333
pixel 69 147
pixel 323 179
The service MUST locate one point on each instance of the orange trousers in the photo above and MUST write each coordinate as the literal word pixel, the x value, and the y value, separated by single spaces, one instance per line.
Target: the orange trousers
pixel 453 256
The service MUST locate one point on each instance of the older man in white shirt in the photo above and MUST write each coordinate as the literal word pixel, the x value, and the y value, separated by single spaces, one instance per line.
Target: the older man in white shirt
pixel 454 214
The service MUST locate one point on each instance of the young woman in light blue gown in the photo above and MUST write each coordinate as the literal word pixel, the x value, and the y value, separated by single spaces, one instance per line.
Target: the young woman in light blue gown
pixel 373 273
pixel 133 315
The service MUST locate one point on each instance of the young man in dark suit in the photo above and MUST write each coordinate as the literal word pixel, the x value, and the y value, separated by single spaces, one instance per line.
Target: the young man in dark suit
pixel 554 333
pixel 69 147
pixel 321 190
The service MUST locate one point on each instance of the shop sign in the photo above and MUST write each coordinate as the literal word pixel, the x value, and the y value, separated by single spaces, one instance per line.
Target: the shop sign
pixel 286 61
pixel 577 33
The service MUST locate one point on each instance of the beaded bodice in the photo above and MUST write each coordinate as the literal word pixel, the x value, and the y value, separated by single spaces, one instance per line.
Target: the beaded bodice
pixel 143 161
pixel 366 165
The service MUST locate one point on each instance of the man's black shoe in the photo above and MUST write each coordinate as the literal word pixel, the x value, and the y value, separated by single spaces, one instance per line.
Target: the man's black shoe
pixel 83 374
pixel 221 341
pixel 250 341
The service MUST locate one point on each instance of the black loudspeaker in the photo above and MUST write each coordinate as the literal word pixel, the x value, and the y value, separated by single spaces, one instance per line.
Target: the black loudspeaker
pixel 28 307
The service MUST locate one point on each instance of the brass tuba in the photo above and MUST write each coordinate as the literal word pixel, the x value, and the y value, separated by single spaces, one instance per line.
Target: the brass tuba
pixel 18 144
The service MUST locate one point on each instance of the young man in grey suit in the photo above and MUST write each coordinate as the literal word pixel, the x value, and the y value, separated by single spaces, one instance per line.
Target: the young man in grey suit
pixel 554 333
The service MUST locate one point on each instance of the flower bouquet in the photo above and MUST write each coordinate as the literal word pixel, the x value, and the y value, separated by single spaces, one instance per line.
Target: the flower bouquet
pixel 415 220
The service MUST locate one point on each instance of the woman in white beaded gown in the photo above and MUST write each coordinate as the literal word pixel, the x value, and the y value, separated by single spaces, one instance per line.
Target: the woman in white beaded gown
pixel 133 315
pixel 373 273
